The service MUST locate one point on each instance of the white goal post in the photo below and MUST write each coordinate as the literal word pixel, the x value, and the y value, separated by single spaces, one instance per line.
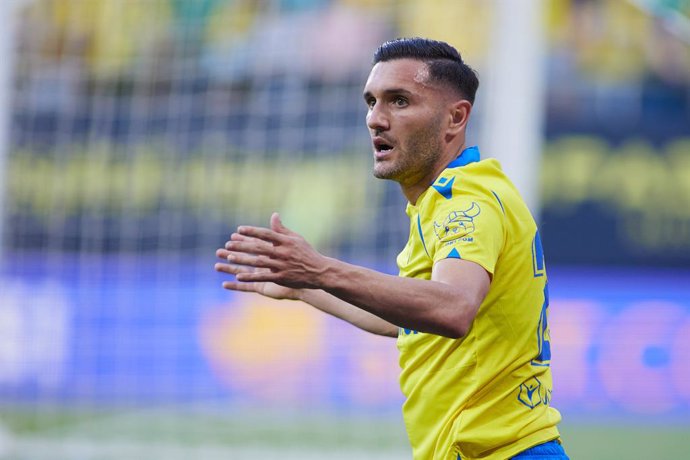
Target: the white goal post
pixel 514 93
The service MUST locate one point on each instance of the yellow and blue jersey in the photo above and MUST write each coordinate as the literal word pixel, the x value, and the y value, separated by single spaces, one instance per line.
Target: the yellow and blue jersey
pixel 486 395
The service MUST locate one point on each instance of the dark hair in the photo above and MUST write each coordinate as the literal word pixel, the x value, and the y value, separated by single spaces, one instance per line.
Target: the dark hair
pixel 443 61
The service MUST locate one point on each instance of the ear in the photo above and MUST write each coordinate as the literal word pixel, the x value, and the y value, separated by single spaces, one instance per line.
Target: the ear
pixel 459 116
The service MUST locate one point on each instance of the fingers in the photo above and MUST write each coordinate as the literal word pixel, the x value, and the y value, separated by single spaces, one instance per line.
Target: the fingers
pixel 249 246
pixel 241 283
pixel 262 233
pixel 242 287
pixel 277 225
pixel 224 254
pixel 246 278
pixel 246 255
pixel 274 235
pixel 254 255
pixel 247 239
pixel 238 237
pixel 232 269
pixel 235 270
pixel 251 260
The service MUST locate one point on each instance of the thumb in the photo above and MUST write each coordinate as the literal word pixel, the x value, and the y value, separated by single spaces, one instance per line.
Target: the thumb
pixel 277 225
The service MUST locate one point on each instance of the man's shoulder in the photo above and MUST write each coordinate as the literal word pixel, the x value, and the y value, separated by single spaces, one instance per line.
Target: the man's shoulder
pixel 474 180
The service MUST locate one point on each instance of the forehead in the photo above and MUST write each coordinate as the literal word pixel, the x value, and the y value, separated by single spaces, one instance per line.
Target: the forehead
pixel 409 74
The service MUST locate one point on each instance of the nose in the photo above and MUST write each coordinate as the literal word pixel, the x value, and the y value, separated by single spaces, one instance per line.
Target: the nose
pixel 377 119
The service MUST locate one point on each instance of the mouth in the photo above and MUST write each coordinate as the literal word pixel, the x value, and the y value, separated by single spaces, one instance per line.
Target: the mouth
pixel 381 147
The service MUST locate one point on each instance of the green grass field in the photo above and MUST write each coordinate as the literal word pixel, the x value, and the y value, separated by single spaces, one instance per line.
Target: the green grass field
pixel 246 434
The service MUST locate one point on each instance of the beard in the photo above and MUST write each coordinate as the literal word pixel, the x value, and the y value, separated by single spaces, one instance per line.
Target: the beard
pixel 414 159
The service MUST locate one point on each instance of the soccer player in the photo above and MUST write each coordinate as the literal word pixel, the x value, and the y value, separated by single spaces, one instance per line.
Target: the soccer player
pixel 469 308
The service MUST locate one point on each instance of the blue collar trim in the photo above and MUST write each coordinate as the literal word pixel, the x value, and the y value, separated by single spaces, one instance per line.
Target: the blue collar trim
pixel 469 155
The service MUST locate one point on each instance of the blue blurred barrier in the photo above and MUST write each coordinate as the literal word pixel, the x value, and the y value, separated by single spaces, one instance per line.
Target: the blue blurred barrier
pixel 147 332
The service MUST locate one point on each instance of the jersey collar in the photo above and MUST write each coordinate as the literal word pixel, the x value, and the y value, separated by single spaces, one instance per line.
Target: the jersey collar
pixel 467 156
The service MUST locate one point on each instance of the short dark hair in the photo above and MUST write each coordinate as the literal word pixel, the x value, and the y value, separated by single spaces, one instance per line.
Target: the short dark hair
pixel 443 61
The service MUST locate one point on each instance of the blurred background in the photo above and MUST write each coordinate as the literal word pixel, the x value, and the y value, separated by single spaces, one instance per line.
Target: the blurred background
pixel 135 135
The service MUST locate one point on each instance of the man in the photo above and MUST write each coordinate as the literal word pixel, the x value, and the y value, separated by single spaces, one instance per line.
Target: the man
pixel 469 308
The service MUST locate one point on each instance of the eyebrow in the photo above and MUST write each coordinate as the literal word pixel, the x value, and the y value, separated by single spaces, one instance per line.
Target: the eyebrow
pixel 389 92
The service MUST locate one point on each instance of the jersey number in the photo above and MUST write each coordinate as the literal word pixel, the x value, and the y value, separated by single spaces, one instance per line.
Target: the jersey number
pixel 543 335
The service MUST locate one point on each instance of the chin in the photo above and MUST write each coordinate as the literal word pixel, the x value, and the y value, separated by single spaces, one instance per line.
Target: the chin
pixel 385 173
pixel 389 168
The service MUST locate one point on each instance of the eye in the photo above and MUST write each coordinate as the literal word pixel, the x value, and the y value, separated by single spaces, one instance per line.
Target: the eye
pixel 370 102
pixel 400 101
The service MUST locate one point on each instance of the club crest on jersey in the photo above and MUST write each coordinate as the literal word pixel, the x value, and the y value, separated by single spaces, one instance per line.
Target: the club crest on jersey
pixel 458 224
pixel 530 393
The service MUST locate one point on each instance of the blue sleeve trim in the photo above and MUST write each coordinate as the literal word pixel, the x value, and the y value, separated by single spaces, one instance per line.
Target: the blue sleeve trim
pixel 499 202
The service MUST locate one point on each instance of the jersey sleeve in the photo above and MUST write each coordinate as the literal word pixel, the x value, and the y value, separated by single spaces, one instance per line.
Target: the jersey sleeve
pixel 469 226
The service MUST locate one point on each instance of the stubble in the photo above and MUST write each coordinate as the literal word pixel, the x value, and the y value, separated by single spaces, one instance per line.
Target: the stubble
pixel 415 159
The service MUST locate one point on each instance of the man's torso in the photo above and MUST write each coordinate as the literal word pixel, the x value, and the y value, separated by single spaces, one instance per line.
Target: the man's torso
pixel 486 395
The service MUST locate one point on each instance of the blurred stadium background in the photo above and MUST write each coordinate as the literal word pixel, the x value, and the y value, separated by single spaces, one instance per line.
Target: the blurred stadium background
pixel 136 134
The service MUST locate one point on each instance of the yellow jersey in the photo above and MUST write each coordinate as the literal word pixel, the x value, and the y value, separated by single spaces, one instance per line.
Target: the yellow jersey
pixel 486 395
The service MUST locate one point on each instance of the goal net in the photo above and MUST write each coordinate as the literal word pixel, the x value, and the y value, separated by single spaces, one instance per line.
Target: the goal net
pixel 141 133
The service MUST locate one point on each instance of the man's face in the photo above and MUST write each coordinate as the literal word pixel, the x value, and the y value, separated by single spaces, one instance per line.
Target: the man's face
pixel 405 116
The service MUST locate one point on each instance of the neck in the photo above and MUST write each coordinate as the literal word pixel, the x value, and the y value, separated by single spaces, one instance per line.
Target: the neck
pixel 413 191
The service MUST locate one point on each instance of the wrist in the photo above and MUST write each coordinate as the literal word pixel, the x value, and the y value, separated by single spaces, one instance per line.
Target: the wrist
pixel 300 295
pixel 330 275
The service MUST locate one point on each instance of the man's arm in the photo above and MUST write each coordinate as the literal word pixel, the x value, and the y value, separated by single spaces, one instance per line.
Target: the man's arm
pixel 445 305
pixel 319 299
pixel 340 309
